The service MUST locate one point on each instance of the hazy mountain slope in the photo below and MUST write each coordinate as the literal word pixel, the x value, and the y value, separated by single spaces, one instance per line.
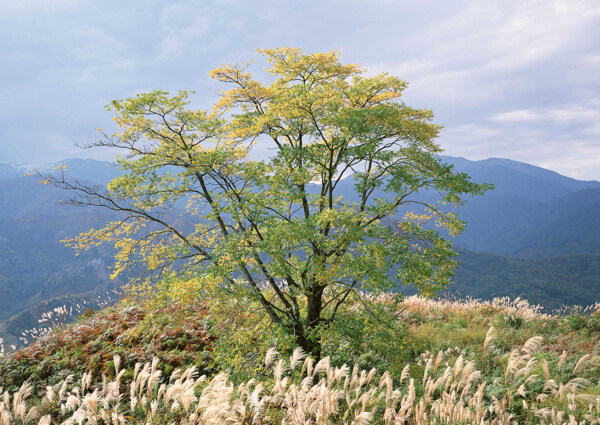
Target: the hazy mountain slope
pixel 520 179
pixel 24 196
pixel 8 171
pixel 34 264
pixel 91 170
pixel 550 282
pixel 510 225
pixel 532 212
pixel 37 271
pixel 499 223
pixel 31 253
pixel 81 168
pixel 573 227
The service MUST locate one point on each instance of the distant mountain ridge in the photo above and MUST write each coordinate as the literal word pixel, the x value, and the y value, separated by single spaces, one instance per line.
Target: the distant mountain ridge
pixel 510 225
pixel 85 169
pixel 520 179
pixel 532 214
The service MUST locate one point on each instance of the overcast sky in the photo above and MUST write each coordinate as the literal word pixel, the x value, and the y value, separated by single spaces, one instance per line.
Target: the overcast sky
pixel 511 79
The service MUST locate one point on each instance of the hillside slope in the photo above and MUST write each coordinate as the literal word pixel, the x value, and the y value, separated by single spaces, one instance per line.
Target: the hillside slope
pixel 510 225
pixel 533 213
pixel 141 365
pixel 520 179
pixel 551 282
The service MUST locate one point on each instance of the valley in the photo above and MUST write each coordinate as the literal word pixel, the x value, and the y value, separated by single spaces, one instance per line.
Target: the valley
pixel 535 236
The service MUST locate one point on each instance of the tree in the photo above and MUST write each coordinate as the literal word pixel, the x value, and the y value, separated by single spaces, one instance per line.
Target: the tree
pixel 282 225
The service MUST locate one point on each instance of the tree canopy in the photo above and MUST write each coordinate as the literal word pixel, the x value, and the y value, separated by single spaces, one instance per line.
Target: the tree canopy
pixel 278 224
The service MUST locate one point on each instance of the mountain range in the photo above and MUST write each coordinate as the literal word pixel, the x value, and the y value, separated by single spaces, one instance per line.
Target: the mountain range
pixel 531 213
pixel 536 235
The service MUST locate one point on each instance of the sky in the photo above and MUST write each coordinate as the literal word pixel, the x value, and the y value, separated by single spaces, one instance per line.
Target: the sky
pixel 509 79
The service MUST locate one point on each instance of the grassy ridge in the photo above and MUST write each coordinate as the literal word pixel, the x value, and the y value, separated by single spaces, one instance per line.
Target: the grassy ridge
pixel 465 362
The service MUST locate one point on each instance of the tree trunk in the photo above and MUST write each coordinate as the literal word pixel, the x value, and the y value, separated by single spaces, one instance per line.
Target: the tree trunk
pixel 306 335
pixel 309 345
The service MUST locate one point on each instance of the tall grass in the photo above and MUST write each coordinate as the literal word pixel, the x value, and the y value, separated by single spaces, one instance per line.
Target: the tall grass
pixel 447 388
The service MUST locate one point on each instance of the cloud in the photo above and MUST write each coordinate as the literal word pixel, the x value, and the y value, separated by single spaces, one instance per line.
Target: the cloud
pixel 504 77
pixel 565 114
pixel 484 51
pixel 564 138
pixel 511 79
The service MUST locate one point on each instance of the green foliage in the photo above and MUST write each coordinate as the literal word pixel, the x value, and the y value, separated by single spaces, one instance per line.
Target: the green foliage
pixel 370 335
pixel 576 322
pixel 365 333
pixel 513 321
pixel 594 322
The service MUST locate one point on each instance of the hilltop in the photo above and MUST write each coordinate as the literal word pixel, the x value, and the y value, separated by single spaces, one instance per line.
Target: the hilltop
pixel 462 361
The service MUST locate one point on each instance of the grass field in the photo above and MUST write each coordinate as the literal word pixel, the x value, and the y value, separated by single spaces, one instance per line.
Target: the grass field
pixel 466 362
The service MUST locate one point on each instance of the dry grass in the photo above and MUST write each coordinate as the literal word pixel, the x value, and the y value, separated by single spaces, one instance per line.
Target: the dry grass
pixel 516 308
pixel 450 390
pixel 493 384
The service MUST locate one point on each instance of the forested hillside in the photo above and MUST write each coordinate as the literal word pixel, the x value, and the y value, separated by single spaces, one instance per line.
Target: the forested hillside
pixel 37 272
pixel 550 281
